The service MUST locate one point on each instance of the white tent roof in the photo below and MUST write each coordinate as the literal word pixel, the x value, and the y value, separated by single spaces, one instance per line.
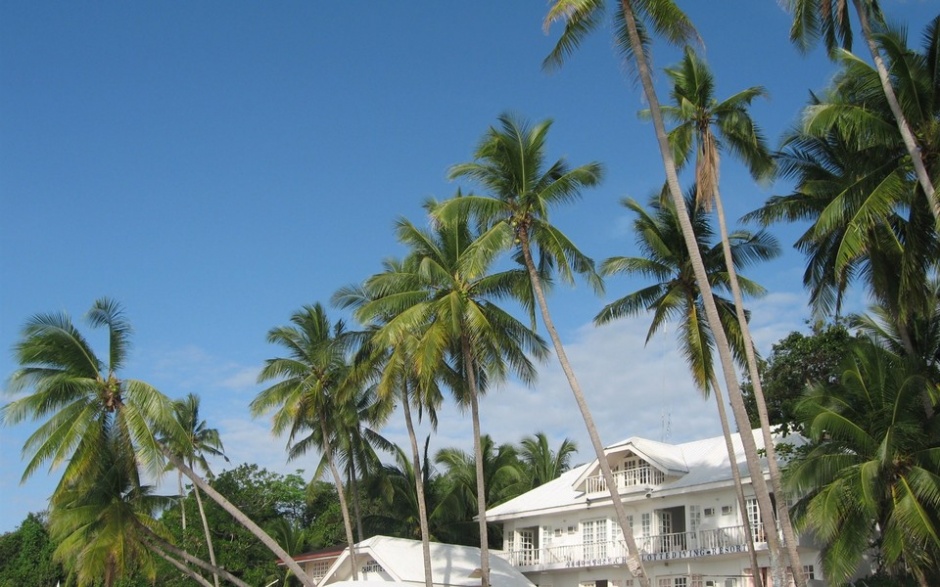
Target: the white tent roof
pixel 403 561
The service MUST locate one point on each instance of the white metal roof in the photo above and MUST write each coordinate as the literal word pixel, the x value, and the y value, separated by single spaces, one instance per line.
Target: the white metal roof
pixel 403 560
pixel 697 463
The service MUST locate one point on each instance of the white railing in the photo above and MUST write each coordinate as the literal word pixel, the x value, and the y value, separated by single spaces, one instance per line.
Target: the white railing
pixel 687 544
pixel 633 478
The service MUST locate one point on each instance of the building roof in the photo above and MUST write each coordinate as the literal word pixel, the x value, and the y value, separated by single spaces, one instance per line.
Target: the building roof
pixel 691 464
pixel 403 561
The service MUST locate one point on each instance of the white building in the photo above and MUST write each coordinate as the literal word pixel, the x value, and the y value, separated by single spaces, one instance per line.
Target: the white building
pixel 681 503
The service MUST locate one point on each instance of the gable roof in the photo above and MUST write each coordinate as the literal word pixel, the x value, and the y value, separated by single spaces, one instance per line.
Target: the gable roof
pixel 403 561
pixel 660 455
pixel 699 463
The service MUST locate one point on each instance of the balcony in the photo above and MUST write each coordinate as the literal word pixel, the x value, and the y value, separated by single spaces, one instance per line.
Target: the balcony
pixel 679 545
pixel 639 478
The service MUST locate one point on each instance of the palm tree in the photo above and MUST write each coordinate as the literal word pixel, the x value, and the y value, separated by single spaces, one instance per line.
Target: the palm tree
pixel 396 361
pixel 502 472
pixel 707 127
pixel 397 485
pixel 509 164
pixel 542 463
pixel 353 445
pixel 96 520
pixel 632 22
pixel 83 396
pixel 853 183
pixel 200 442
pixel 449 302
pixel 676 296
pixel 813 19
pixel 310 388
pixel 870 475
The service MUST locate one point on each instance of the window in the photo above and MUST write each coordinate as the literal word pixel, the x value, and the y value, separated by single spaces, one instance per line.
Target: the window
pixel 317 569
pixel 754 519
pixel 594 538
pixel 809 572
pixel 526 546
pixel 695 518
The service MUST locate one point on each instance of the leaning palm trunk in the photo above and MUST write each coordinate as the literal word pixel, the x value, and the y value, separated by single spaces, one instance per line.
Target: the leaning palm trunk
pixel 736 475
pixel 923 176
pixel 154 540
pixel 179 566
pixel 783 511
pixel 478 458
pixel 419 488
pixel 343 504
pixel 205 528
pixel 242 519
pixel 711 311
pixel 634 562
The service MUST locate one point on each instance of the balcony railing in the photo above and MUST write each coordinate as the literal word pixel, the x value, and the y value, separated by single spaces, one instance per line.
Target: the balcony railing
pixel 663 546
pixel 633 478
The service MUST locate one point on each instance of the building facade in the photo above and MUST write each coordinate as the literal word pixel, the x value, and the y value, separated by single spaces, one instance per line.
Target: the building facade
pixel 681 504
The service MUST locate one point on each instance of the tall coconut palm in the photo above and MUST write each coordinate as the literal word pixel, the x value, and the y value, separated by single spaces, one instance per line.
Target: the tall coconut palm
pixel 633 19
pixel 870 476
pixel 451 307
pixel 707 128
pixel 813 19
pixel 395 360
pixel 309 388
pixel 676 297
pixel 509 164
pixel 542 462
pixel 201 441
pixel 82 395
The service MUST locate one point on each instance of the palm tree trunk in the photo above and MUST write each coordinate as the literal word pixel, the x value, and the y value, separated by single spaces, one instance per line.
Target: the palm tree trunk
pixel 634 562
pixel 340 491
pixel 711 311
pixel 242 519
pixel 923 177
pixel 179 483
pixel 205 528
pixel 180 566
pixel 738 485
pixel 354 493
pixel 478 457
pixel 783 511
pixel 152 539
pixel 419 488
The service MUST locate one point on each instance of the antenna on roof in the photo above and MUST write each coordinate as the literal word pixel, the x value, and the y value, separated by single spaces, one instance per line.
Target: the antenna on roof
pixel 666 425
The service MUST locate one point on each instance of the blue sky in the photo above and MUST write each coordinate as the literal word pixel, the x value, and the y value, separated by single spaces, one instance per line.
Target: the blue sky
pixel 214 166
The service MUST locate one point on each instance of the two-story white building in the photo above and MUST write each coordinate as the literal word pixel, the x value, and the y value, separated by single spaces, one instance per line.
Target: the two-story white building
pixel 680 500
